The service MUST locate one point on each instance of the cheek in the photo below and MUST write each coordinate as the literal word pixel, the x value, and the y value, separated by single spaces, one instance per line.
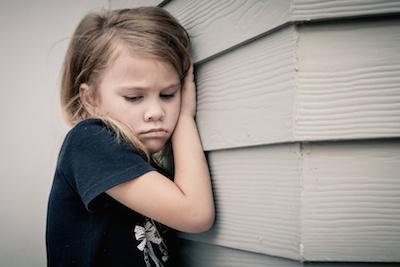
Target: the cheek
pixel 176 109
pixel 119 109
pixel 105 106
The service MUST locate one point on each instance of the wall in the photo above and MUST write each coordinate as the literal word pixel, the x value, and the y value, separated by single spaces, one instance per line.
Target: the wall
pixel 34 36
pixel 298 109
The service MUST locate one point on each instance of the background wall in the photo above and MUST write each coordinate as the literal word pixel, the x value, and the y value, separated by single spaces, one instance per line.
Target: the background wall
pixel 34 36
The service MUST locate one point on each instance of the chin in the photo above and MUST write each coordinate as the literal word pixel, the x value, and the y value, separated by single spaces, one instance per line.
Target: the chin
pixel 154 147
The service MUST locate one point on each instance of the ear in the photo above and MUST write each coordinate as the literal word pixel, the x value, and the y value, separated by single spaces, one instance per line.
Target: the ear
pixel 88 98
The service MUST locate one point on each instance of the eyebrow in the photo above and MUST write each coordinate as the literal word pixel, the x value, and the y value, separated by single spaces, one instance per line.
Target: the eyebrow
pixel 144 88
pixel 173 86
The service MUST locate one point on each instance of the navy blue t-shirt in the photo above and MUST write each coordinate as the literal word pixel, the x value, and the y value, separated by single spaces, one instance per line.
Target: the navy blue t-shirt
pixel 85 226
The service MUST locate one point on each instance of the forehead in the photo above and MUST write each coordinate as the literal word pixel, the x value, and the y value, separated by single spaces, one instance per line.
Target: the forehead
pixel 129 69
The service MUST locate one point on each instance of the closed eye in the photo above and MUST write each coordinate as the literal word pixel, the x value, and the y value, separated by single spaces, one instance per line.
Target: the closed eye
pixel 167 96
pixel 133 98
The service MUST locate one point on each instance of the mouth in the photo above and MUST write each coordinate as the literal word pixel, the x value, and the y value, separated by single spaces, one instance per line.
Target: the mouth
pixel 155 133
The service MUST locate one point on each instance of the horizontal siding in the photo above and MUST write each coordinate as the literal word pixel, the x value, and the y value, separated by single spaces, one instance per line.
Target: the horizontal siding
pixel 257 192
pixel 195 254
pixel 216 26
pixel 325 201
pixel 246 97
pixel 339 81
pixel 334 9
pixel 350 264
pixel 351 201
pixel 118 4
pixel 348 81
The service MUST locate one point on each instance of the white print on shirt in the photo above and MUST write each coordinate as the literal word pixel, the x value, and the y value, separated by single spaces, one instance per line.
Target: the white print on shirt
pixel 147 236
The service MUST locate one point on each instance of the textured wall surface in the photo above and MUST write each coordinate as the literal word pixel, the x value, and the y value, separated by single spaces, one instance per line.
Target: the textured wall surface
pixel 299 110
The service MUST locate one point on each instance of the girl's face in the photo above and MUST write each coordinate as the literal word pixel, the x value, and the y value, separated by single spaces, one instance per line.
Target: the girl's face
pixel 144 93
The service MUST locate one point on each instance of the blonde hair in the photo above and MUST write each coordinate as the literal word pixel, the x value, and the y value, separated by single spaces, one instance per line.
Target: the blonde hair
pixel 148 31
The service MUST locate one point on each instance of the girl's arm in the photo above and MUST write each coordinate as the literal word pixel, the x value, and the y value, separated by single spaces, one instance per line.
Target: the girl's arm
pixel 187 203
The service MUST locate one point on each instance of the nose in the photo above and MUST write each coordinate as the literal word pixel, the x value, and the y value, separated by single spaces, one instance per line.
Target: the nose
pixel 154 112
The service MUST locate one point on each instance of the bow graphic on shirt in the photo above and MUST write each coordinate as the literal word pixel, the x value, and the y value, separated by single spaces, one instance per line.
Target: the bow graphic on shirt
pixel 146 236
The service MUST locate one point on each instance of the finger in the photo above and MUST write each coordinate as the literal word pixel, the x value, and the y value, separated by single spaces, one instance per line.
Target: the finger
pixel 189 74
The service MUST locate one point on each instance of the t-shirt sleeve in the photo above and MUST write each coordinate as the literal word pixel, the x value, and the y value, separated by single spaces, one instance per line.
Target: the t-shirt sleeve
pixel 93 162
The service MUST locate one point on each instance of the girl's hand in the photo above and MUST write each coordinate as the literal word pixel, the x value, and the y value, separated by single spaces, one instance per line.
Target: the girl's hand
pixel 188 98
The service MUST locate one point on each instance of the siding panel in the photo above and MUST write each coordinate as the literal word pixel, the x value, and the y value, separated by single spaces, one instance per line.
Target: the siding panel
pixel 118 4
pixel 216 26
pixel 346 87
pixel 246 97
pixel 348 81
pixel 319 202
pixel 257 200
pixel 351 201
pixel 196 254
pixel 334 9
pixel 349 264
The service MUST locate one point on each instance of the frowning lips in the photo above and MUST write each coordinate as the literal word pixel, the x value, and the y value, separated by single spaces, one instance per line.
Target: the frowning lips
pixel 155 133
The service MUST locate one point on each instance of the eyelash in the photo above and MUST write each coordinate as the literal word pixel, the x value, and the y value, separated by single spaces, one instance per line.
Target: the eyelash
pixel 137 98
pixel 132 98
pixel 167 96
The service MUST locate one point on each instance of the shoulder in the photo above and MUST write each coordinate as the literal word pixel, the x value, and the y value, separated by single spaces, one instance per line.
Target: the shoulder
pixel 90 130
pixel 93 137
pixel 88 138
pixel 89 126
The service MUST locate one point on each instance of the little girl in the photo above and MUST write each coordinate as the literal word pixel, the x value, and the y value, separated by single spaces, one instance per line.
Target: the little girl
pixel 127 89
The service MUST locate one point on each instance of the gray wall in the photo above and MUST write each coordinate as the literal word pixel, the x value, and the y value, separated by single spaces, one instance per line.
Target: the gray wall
pixel 34 36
